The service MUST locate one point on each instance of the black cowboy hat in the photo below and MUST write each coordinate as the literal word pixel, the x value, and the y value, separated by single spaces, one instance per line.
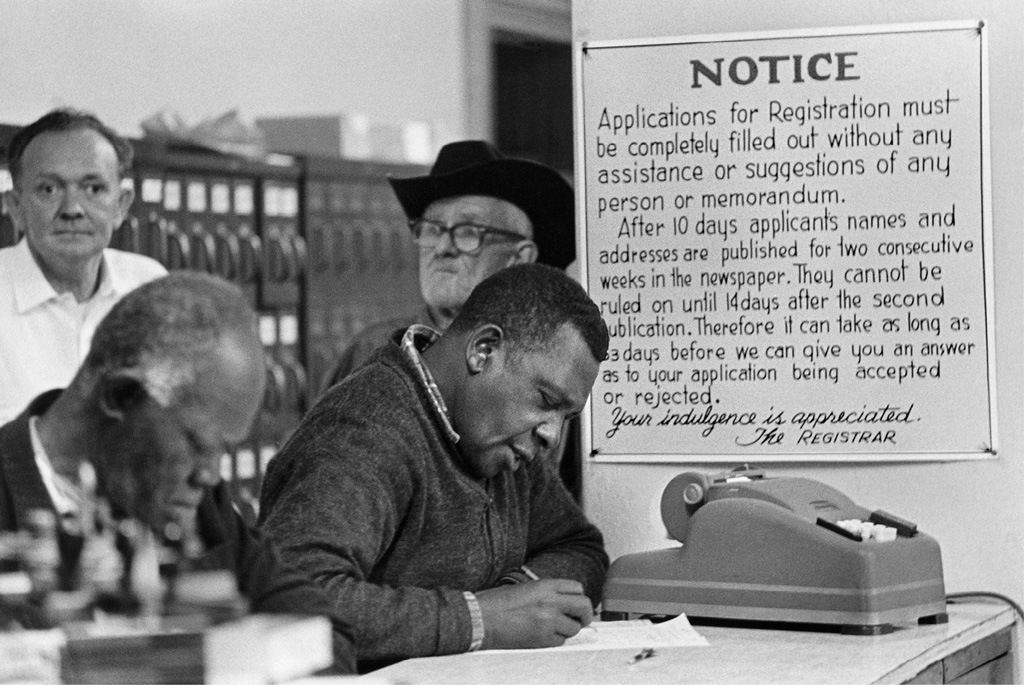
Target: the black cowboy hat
pixel 475 167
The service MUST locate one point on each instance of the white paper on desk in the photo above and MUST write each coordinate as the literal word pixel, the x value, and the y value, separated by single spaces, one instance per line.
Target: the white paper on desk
pixel 635 634
pixel 31 656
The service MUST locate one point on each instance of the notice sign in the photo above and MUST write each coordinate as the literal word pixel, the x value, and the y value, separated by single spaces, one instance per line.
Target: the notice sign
pixel 788 236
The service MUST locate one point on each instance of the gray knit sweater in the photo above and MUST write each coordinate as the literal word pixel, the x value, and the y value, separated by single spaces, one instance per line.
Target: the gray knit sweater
pixel 371 499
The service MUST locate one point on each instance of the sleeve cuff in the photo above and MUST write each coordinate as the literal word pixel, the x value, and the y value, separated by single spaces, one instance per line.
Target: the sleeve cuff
pixel 520 575
pixel 477 618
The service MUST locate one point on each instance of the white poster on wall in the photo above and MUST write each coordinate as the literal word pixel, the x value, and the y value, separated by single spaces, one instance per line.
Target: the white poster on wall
pixel 789 236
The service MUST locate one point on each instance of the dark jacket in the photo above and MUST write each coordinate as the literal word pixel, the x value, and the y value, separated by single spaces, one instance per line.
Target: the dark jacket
pixel 267 583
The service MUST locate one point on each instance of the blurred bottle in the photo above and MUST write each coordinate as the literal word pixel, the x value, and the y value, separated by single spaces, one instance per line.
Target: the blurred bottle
pixel 194 588
pixel 28 573
pixel 145 581
pixel 103 564
pixel 40 557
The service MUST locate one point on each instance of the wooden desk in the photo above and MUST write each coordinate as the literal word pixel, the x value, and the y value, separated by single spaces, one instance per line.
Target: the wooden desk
pixel 973 647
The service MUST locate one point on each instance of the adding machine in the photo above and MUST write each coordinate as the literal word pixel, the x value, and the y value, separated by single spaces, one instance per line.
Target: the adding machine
pixel 789 550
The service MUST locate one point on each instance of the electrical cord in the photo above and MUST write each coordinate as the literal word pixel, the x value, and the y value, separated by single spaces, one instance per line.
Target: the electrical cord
pixel 992 595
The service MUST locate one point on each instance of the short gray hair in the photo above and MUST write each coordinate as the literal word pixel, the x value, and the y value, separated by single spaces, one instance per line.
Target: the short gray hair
pixel 167 328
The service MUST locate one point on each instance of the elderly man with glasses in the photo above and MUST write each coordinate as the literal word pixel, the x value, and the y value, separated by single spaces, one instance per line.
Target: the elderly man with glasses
pixel 476 212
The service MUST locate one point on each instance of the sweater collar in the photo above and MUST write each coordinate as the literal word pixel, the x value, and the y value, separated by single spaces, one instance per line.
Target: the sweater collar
pixel 416 339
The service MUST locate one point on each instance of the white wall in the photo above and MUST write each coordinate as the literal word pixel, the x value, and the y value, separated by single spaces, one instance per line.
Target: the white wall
pixel 974 509
pixel 393 60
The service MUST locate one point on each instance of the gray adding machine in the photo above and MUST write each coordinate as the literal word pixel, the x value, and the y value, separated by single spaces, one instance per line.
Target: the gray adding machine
pixel 789 550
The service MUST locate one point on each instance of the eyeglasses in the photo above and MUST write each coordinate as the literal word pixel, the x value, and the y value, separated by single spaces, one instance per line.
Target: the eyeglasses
pixel 467 238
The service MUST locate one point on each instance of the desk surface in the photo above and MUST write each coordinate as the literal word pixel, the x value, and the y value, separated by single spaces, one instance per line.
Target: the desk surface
pixel 735 655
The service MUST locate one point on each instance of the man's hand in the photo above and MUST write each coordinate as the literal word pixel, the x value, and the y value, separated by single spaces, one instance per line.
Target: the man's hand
pixel 540 613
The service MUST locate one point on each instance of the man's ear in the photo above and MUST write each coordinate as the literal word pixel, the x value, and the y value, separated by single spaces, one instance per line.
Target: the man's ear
pixel 12 203
pixel 526 252
pixel 484 342
pixel 120 392
pixel 124 201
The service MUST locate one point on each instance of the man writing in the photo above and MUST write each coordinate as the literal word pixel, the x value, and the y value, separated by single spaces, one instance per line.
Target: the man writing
pixel 173 379
pixel 412 491
pixel 475 213
pixel 61 278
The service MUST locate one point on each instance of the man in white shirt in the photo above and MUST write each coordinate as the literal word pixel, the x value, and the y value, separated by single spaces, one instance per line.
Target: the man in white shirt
pixel 61 279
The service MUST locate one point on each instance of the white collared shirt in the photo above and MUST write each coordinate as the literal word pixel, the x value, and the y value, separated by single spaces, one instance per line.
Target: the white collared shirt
pixel 64 505
pixel 45 335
